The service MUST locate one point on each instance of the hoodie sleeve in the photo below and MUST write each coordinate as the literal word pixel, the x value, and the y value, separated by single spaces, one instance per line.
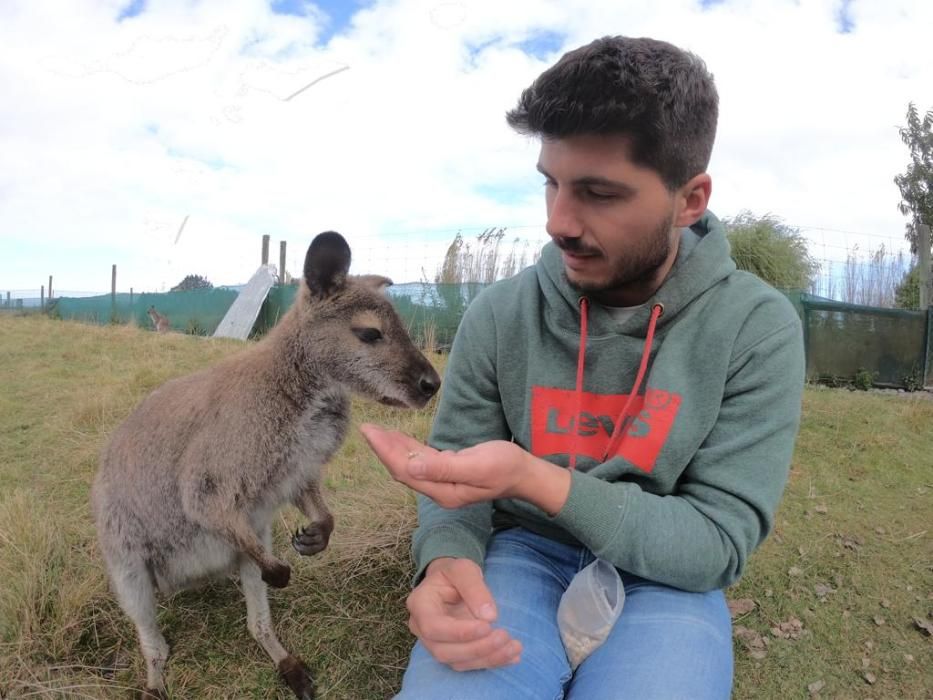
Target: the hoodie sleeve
pixel 700 537
pixel 469 412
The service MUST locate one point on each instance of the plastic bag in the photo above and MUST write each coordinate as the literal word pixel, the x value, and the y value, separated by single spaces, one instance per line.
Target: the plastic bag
pixel 589 608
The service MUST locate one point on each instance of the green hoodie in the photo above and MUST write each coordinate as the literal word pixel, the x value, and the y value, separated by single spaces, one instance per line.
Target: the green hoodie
pixel 691 489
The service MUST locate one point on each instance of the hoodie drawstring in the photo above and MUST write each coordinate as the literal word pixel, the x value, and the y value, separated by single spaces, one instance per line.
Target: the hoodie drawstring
pixel 617 433
pixel 578 389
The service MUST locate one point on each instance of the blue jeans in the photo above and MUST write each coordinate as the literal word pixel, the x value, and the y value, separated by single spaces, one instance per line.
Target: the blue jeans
pixel 667 644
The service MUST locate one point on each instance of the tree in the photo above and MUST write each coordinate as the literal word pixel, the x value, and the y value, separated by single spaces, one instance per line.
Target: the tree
pixel 916 184
pixel 192 282
pixel 771 249
pixel 907 294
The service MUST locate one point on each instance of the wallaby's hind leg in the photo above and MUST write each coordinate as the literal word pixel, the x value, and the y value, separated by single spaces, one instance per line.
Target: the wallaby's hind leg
pixel 313 538
pixel 134 588
pixel 259 622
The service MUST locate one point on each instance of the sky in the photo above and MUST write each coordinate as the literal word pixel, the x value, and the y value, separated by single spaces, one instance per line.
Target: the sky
pixel 167 136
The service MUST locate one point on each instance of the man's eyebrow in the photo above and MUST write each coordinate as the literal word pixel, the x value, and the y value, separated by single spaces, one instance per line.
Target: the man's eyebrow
pixel 594 180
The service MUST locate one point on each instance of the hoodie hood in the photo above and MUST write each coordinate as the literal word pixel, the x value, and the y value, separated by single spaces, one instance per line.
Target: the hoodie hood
pixel 703 260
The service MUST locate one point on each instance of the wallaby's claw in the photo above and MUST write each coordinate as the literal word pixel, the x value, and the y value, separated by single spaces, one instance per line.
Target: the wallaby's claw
pixel 310 540
pixel 299 678
pixel 278 575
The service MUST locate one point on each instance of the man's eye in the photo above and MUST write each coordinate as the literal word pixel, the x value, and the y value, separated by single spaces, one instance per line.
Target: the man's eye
pixel 601 196
pixel 368 335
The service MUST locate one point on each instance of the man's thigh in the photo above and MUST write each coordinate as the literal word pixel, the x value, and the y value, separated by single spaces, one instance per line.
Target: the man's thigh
pixel 526 575
pixel 668 644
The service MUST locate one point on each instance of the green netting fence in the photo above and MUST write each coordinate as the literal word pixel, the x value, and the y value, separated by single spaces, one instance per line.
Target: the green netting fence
pixel 196 311
pixel 842 340
pixel 895 346
pixel 432 312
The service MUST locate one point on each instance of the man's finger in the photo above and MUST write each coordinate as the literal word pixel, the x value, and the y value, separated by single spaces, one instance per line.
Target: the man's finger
pixel 449 629
pixel 393 448
pixel 473 653
pixel 444 467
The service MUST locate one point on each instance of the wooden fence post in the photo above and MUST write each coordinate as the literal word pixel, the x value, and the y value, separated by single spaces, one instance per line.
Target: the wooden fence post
pixel 265 249
pixel 113 294
pixel 282 262
pixel 923 246
pixel 50 287
pixel 42 298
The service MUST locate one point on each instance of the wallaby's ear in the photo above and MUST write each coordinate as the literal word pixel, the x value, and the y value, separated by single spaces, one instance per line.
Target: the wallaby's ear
pixel 377 283
pixel 326 263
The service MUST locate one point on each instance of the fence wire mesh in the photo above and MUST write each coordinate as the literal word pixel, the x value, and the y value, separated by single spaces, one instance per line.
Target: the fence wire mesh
pixel 842 340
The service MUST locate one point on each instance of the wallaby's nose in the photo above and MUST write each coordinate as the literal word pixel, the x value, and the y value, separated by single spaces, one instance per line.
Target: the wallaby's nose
pixel 429 383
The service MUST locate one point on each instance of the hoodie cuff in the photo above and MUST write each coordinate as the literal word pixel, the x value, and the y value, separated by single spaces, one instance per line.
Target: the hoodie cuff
pixel 447 542
pixel 589 515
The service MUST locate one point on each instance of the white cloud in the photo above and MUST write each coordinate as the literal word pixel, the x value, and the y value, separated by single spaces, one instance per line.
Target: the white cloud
pixel 113 132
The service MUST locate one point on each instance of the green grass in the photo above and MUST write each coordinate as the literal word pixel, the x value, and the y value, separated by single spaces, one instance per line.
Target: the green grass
pixel 852 542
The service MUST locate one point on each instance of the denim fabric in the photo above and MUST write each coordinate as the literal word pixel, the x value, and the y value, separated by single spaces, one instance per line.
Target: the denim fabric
pixel 668 643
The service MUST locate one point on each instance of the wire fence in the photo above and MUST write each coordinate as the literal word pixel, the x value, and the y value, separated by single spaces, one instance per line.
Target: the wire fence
pixel 847 305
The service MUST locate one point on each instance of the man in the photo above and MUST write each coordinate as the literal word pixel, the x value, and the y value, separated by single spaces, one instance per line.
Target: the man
pixel 631 397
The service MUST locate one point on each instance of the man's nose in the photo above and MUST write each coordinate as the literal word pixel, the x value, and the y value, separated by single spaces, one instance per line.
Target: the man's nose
pixel 563 216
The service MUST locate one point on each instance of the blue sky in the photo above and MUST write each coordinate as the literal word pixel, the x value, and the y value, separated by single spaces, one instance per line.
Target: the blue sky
pixel 338 13
pixel 384 120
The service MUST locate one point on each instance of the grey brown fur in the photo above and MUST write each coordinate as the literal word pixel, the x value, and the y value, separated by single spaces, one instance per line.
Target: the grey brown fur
pixel 189 483
pixel 159 322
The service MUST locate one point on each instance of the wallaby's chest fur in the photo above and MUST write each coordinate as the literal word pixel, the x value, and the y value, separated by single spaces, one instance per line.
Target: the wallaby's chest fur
pixel 220 440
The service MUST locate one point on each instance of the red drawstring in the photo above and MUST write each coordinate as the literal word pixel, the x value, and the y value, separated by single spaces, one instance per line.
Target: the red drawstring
pixel 578 395
pixel 624 417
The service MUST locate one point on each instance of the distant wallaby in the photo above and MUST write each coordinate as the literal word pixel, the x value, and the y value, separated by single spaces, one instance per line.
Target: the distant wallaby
pixel 190 482
pixel 159 322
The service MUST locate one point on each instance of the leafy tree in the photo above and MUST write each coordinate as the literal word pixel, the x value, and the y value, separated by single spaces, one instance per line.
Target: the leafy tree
pixel 907 293
pixel 916 184
pixel 771 249
pixel 192 282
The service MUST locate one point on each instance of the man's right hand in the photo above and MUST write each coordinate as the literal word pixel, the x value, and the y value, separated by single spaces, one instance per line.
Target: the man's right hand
pixel 451 612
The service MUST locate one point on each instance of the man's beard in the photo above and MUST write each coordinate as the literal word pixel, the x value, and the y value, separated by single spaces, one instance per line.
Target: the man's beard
pixel 638 266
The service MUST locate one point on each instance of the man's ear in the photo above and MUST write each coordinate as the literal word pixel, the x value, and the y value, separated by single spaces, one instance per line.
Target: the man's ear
pixel 327 263
pixel 692 199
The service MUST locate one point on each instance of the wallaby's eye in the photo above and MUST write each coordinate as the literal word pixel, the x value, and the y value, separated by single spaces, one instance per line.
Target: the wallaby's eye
pixel 368 335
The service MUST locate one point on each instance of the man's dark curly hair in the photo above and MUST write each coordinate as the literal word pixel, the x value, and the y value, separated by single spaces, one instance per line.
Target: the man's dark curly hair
pixel 661 97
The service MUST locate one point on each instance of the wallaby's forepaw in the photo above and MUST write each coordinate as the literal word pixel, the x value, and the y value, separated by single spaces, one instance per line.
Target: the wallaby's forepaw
pixel 297 676
pixel 277 575
pixel 311 539
pixel 151 694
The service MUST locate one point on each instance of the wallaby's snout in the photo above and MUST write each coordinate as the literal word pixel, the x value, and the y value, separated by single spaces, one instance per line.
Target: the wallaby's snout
pixel 420 388
pixel 429 383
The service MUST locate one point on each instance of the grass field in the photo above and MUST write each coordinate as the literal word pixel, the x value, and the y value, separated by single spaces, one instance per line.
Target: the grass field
pixel 834 605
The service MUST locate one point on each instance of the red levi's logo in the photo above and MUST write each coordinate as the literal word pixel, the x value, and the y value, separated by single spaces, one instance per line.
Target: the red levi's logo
pixel 553 424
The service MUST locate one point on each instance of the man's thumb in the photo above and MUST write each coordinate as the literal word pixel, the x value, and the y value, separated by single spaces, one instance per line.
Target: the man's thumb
pixel 469 582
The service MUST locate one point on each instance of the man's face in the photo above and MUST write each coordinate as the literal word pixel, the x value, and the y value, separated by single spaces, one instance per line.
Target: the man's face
pixel 613 220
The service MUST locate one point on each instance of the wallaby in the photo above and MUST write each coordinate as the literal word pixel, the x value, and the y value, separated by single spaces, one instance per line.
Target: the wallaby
pixel 189 483
pixel 159 322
